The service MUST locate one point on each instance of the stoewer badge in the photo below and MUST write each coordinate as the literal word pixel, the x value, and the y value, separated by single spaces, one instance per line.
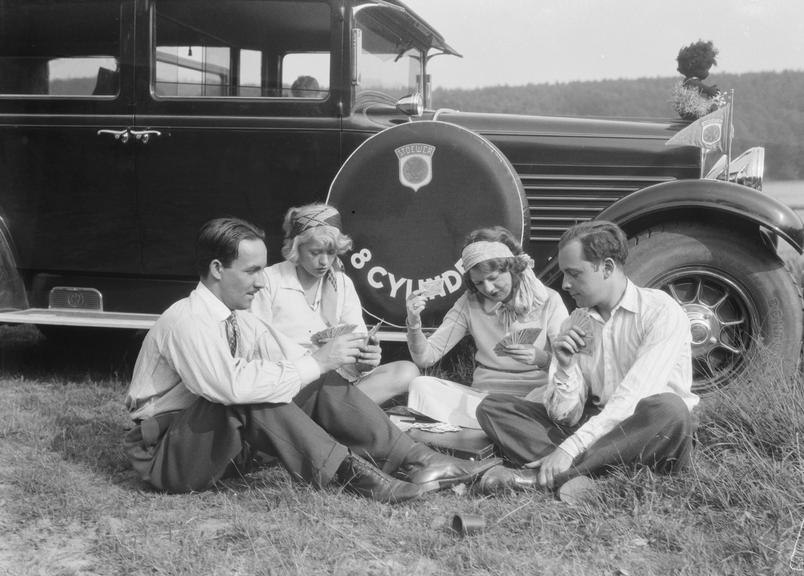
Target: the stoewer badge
pixel 415 165
pixel 711 133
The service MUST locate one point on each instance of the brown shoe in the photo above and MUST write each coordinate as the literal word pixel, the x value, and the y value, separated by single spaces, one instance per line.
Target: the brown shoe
pixel 502 479
pixel 433 470
pixel 359 476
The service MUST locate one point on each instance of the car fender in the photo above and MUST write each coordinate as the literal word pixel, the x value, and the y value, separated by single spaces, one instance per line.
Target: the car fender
pixel 691 196
pixel 12 288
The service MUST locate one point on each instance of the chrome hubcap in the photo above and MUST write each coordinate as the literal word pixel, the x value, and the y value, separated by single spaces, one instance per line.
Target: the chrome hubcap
pixel 722 319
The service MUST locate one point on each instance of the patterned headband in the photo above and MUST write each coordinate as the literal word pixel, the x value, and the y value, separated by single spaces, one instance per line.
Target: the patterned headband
pixel 313 217
pixel 478 252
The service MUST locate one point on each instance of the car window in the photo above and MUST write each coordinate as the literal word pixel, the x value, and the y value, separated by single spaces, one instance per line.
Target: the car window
pixel 69 48
pixel 241 49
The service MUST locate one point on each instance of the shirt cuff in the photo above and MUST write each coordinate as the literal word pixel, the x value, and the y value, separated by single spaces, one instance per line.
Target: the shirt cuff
pixel 308 369
pixel 572 446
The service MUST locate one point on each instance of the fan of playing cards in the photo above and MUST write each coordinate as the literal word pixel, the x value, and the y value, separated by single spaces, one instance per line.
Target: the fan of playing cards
pixel 327 334
pixel 580 318
pixel 523 336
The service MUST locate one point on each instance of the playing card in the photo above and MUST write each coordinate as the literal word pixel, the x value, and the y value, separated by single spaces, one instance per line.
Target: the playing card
pixel 327 334
pixel 373 331
pixel 432 288
pixel 580 318
pixel 526 335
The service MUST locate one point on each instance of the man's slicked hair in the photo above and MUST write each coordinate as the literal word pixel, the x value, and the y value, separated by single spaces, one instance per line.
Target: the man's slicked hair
pixel 599 240
pixel 219 239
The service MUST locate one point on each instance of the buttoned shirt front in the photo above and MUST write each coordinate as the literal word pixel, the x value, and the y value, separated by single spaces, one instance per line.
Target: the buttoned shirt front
pixel 283 305
pixel 641 350
pixel 186 355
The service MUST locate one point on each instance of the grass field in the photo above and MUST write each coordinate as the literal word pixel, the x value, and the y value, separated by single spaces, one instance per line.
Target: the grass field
pixel 71 505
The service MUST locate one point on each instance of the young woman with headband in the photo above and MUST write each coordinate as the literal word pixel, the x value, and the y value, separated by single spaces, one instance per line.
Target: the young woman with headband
pixel 503 298
pixel 309 292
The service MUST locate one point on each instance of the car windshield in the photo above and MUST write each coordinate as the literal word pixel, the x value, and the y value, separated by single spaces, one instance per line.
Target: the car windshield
pixel 389 66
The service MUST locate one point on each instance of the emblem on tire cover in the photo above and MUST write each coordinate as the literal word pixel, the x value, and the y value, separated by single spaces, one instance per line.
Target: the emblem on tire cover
pixel 415 165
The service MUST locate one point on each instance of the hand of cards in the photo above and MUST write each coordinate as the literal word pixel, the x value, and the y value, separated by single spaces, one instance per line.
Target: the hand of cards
pixel 580 318
pixel 327 334
pixel 523 336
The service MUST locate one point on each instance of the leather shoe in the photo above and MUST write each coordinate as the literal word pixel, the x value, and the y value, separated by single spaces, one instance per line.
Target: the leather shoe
pixel 359 476
pixel 433 470
pixel 502 479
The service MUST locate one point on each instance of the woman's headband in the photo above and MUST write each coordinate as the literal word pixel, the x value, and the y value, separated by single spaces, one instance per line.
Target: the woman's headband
pixel 313 217
pixel 483 250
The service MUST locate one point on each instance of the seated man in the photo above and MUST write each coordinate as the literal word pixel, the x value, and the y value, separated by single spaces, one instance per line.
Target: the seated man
pixel 211 387
pixel 619 384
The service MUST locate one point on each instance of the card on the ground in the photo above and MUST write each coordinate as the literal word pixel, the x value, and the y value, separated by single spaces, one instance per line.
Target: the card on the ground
pixel 432 288
pixel 327 334
pixel 581 318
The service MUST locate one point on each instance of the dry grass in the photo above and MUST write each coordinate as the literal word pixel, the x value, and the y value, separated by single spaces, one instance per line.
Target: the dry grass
pixel 70 504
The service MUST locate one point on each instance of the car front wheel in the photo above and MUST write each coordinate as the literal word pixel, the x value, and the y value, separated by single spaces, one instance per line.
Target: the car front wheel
pixel 740 299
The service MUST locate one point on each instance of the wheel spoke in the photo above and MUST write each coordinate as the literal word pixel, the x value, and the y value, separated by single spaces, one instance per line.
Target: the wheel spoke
pixel 729 347
pixel 698 290
pixel 672 288
pixel 722 300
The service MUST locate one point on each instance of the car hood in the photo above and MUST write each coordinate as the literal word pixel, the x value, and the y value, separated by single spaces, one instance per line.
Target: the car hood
pixel 500 124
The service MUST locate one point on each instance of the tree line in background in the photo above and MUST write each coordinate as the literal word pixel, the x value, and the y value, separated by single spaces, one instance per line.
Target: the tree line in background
pixel 768 108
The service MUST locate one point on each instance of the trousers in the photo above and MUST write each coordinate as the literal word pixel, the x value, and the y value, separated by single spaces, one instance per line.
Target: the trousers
pixel 658 434
pixel 191 449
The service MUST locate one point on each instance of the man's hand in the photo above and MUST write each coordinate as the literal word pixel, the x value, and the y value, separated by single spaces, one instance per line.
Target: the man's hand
pixel 551 466
pixel 370 356
pixel 341 350
pixel 568 344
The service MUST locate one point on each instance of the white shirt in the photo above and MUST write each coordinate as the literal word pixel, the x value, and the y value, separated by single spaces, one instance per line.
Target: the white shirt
pixel 642 350
pixel 186 355
pixel 283 305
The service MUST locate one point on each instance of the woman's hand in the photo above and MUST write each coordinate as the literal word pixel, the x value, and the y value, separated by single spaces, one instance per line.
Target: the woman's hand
pixel 415 305
pixel 528 354
pixel 370 356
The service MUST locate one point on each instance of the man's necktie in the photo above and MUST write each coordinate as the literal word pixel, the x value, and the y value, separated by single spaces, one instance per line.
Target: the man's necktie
pixel 232 333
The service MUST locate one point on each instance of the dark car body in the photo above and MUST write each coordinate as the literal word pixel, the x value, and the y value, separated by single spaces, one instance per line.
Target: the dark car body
pixel 125 124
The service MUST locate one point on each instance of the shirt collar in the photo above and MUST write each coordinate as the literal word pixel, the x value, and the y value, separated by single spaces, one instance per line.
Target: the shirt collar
pixel 630 299
pixel 215 307
pixel 289 280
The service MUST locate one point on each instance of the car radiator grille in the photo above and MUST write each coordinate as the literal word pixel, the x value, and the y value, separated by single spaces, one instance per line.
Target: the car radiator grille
pixel 556 201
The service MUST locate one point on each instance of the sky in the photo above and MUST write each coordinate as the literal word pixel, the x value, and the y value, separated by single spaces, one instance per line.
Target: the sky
pixel 517 42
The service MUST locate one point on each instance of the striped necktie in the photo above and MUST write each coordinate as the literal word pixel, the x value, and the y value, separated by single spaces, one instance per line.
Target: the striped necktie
pixel 232 333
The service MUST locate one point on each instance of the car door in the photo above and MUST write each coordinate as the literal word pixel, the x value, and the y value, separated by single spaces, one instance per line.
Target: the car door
pixel 66 175
pixel 237 114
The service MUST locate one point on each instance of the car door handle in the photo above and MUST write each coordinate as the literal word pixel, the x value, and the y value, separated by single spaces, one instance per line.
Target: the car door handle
pixel 122 135
pixel 145 135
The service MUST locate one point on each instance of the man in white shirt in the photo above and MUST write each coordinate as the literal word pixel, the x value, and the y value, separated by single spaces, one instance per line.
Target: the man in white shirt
pixel 619 384
pixel 212 386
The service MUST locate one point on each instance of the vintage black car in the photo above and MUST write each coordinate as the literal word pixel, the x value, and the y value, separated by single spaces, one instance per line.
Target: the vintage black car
pixel 125 124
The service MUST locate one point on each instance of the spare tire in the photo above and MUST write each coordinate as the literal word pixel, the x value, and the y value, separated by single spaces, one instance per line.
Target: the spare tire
pixel 408 196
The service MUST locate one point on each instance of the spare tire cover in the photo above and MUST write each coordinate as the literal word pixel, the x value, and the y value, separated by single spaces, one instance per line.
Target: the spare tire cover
pixel 408 196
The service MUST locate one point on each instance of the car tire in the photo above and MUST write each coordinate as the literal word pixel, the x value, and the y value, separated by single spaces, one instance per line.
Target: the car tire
pixel 742 303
